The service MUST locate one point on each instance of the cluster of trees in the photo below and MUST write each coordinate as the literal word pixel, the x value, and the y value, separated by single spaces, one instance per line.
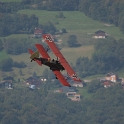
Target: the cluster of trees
pixel 72 41
pixel 63 5
pixel 22 24
pixel 1 45
pixel 7 64
pixel 24 106
pixel 17 46
pixel 108 56
pixel 17 24
pixel 110 11
pixel 48 27
pixel 10 7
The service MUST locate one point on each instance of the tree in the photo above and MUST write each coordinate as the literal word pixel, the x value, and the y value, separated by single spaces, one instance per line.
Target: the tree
pixel 93 86
pixel 7 64
pixel 11 118
pixel 72 41
pixel 34 75
pixel 17 46
pixel 60 15
pixel 64 30
pixel 1 45
pixel 48 27
pixel 20 72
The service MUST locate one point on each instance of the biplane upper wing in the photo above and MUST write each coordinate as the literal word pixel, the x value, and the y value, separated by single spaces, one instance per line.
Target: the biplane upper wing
pixel 32 52
pixel 56 72
pixel 42 51
pixel 62 60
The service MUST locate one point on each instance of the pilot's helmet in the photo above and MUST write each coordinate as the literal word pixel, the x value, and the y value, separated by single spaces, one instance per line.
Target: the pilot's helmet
pixel 49 59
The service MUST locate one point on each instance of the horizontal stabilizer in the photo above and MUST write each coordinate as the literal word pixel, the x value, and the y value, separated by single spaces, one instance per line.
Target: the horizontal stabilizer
pixel 34 55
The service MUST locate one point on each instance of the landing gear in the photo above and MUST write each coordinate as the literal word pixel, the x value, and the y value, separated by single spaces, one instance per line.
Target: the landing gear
pixel 32 60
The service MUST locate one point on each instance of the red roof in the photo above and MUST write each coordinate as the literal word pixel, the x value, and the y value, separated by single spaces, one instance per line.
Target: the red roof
pixel 100 33
pixel 107 83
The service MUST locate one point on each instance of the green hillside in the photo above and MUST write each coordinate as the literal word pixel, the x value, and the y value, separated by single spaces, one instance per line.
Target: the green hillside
pixel 74 21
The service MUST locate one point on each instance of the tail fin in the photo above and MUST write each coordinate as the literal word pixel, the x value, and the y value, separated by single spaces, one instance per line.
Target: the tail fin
pixel 34 55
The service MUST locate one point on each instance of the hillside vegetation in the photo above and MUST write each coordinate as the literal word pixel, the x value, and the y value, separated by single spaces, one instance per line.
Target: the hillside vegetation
pixel 74 22
pixel 24 106
pixel 91 58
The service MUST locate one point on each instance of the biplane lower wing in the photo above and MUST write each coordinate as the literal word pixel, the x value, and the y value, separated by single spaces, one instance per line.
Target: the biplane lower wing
pixel 32 55
pixel 62 60
pixel 61 78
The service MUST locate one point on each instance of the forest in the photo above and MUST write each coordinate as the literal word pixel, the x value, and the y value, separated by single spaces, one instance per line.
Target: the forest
pixel 108 11
pixel 26 106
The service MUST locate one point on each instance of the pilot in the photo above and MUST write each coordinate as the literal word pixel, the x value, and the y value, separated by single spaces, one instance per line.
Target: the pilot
pixel 53 61
pixel 49 59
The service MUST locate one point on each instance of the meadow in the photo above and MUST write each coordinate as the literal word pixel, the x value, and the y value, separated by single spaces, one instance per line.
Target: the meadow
pixel 75 23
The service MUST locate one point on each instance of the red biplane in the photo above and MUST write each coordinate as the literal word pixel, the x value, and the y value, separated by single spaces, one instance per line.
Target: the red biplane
pixel 48 38
pixel 55 65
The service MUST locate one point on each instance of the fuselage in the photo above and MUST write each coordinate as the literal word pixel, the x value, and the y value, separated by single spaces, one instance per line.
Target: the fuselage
pixel 53 64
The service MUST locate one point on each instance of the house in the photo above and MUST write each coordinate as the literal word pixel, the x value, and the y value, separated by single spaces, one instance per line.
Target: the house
pixel 122 81
pixel 73 96
pixel 111 77
pixel 100 34
pixel 9 78
pixel 6 84
pixel 76 97
pixel 107 83
pixel 33 81
pixel 77 84
pixel 37 32
pixel 32 87
pixel 70 94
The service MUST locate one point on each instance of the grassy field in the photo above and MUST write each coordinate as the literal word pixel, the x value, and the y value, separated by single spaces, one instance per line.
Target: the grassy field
pixel 33 67
pixel 83 92
pixel 74 21
pixel 3 55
